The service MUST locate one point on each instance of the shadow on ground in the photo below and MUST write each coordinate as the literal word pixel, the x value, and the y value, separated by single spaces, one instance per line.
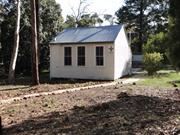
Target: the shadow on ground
pixel 127 115
pixel 44 79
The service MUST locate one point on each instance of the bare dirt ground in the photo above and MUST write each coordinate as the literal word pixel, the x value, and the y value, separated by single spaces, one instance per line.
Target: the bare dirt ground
pixel 20 89
pixel 123 110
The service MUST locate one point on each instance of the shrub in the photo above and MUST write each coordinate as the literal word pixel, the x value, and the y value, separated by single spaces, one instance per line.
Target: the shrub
pixel 157 43
pixel 152 62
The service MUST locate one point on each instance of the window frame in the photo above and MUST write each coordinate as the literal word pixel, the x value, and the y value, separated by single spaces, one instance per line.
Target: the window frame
pixel 68 56
pixel 81 56
pixel 103 56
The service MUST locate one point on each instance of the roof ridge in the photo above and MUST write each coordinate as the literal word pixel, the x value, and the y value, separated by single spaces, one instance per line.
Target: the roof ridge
pixel 92 27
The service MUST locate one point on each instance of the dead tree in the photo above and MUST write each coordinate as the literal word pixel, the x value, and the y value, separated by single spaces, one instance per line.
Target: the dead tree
pixel 35 60
pixel 11 77
pixel 81 10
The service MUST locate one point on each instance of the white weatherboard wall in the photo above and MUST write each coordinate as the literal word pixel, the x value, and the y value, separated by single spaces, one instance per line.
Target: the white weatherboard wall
pixel 90 70
pixel 123 55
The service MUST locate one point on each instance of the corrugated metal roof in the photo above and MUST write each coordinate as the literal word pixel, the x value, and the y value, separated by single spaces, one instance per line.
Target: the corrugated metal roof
pixel 87 35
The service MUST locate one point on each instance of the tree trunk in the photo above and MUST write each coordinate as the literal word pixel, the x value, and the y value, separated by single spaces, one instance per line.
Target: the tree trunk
pixel 1 132
pixel 35 68
pixel 141 26
pixel 37 23
pixel 11 77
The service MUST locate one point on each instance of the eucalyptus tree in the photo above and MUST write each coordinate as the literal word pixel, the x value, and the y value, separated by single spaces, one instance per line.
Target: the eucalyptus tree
pixel 174 33
pixel 81 17
pixel 12 66
pixel 50 22
pixel 144 17
pixel 34 43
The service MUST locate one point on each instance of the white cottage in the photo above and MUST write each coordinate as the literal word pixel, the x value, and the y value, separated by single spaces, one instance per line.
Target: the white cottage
pixel 100 53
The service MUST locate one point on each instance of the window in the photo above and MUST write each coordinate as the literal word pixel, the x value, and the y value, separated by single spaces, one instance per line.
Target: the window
pixel 81 56
pixel 99 56
pixel 67 56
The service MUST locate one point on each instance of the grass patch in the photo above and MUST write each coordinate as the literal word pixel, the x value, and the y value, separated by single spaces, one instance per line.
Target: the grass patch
pixel 162 79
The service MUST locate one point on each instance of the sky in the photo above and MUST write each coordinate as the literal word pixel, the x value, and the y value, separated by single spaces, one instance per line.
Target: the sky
pixel 99 6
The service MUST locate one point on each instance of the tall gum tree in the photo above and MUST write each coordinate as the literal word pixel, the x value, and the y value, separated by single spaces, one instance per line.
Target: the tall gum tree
pixel 11 77
pixel 143 17
pixel 174 33
pixel 50 23
pixel 34 36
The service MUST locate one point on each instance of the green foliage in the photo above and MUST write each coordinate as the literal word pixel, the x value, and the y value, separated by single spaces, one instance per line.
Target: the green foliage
pixel 143 17
pixel 70 22
pixel 174 54
pixel 50 22
pixel 89 20
pixel 109 18
pixel 174 33
pixel 80 16
pixel 157 43
pixel 3 4
pixel 152 62
pixel 84 21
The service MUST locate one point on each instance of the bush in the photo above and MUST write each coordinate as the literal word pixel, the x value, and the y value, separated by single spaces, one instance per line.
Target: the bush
pixel 157 43
pixel 152 62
